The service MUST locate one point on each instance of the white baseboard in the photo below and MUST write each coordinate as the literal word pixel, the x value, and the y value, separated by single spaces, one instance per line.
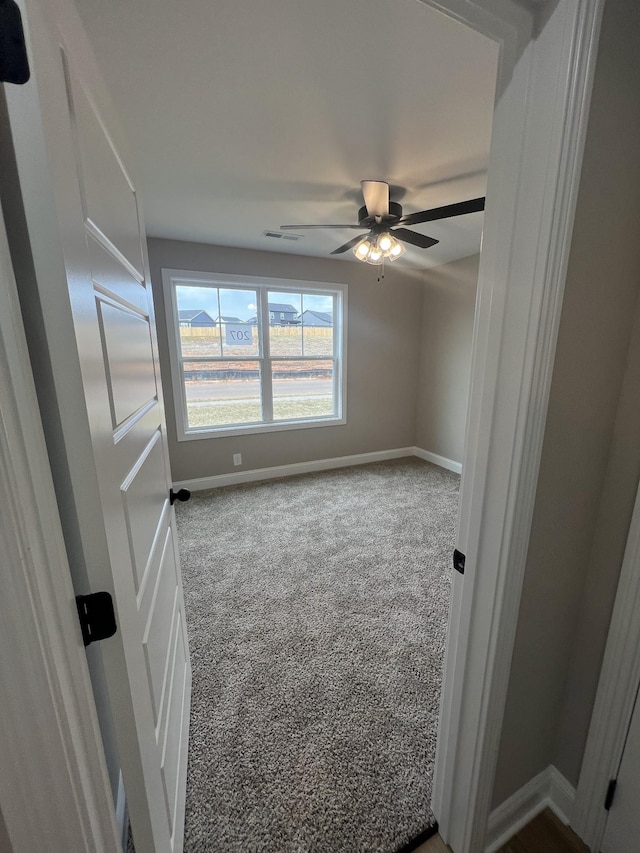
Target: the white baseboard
pixel 442 461
pixel 291 470
pixel 277 471
pixel 562 796
pixel 549 789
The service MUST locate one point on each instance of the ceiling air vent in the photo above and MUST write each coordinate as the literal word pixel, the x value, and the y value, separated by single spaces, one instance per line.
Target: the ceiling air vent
pixel 278 235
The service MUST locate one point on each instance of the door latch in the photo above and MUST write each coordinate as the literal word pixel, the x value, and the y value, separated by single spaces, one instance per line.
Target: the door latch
pixel 181 495
pixel 97 617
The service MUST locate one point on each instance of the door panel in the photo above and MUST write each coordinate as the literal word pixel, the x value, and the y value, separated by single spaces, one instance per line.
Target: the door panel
pixel 111 275
pixel 109 199
pixel 177 705
pixel 143 496
pixel 162 613
pixel 128 357
pixel 102 353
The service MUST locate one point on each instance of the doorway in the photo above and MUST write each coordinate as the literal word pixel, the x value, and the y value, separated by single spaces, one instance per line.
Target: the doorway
pixel 506 446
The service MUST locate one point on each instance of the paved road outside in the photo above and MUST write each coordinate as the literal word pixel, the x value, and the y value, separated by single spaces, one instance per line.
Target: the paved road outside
pixel 239 390
pixel 194 404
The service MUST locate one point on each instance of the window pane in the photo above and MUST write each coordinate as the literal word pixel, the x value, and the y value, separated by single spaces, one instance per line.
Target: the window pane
pixel 285 340
pixel 285 334
pixel 237 311
pixel 200 342
pixel 197 313
pixel 222 393
pixel 317 324
pixel 302 389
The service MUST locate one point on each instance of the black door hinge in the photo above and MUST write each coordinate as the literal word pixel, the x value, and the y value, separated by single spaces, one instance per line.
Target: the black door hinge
pixel 14 65
pixel 459 560
pixel 611 790
pixel 97 617
pixel 181 495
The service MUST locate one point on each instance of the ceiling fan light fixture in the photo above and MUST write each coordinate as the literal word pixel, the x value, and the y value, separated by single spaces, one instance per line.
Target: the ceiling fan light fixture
pixel 390 246
pixel 396 251
pixel 362 249
pixel 374 249
pixel 385 242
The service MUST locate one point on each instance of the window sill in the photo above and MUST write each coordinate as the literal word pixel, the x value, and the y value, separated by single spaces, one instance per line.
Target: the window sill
pixel 254 429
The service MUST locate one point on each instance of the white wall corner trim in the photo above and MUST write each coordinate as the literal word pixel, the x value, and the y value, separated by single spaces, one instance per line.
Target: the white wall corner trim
pixel 436 459
pixel 549 789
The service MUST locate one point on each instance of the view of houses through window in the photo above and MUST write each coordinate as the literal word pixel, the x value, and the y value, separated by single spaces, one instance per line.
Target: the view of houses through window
pixel 249 357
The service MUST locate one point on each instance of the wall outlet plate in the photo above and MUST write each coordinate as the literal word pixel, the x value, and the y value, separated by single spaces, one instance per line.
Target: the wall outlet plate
pixel 237 458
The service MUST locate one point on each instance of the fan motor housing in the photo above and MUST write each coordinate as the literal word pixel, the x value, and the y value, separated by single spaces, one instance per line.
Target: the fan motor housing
pixel 395 212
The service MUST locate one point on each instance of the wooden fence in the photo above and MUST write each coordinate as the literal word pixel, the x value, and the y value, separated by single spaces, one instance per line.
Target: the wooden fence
pixel 213 332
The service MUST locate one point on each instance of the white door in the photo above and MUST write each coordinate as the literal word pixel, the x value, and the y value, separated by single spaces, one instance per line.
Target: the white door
pixel 92 286
pixel 622 830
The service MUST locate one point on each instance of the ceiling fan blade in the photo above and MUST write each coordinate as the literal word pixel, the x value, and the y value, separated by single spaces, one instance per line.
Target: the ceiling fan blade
pixel 376 197
pixel 349 245
pixel 472 206
pixel 420 240
pixel 304 227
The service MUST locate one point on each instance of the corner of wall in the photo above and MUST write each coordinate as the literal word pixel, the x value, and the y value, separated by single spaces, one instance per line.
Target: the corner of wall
pixel 549 789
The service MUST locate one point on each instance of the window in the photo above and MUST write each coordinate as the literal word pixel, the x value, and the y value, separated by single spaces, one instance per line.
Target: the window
pixel 247 371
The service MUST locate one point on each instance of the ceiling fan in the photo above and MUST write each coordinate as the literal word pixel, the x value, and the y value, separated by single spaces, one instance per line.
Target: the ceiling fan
pixel 384 220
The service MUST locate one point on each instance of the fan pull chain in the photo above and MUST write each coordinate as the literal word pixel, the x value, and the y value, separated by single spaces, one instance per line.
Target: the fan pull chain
pixel 381 276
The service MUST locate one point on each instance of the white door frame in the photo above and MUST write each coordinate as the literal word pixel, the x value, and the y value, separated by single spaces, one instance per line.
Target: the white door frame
pixel 544 87
pixel 615 697
pixel 54 783
pixel 540 119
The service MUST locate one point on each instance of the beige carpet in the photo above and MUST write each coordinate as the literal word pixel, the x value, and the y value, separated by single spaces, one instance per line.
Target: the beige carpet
pixel 317 611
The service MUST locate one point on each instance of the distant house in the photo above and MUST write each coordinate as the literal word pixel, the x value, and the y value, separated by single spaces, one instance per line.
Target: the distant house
pixel 317 318
pixel 224 319
pixel 195 318
pixel 280 315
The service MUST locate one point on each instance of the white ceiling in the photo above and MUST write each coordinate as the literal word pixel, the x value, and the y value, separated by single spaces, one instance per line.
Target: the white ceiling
pixel 245 115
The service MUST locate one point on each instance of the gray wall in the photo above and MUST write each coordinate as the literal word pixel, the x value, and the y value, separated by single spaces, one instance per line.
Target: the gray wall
pixel 591 455
pixel 448 309
pixel 382 361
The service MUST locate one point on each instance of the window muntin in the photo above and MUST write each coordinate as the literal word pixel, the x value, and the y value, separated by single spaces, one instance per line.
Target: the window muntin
pixel 249 357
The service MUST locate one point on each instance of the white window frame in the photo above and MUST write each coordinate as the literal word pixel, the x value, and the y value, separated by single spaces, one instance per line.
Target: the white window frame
pixel 262 286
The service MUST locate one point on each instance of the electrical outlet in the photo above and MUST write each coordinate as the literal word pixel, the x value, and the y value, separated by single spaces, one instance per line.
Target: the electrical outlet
pixel 237 458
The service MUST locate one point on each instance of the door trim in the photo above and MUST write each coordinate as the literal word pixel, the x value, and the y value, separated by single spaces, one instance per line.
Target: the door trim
pixel 49 734
pixel 546 69
pixel 615 697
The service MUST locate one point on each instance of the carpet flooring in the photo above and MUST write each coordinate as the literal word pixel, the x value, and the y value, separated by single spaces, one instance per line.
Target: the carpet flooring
pixel 317 611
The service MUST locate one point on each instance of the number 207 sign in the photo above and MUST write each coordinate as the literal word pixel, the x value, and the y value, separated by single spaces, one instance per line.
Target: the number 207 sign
pixel 238 336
